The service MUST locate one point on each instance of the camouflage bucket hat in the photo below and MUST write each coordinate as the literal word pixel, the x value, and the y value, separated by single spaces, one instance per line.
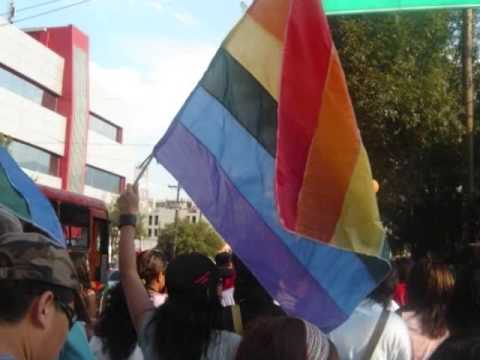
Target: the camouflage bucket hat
pixel 32 256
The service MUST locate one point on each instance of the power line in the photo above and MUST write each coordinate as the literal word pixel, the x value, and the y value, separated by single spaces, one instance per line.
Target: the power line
pixel 49 11
pixel 33 6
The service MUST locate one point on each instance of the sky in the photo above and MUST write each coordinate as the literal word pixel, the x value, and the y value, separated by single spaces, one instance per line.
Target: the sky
pixel 147 55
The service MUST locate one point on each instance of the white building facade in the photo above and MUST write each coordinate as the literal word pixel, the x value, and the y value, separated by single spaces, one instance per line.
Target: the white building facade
pixel 63 134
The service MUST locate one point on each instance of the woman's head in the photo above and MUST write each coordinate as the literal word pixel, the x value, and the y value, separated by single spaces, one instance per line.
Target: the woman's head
pixel 80 261
pixel 429 291
pixel 151 268
pixel 285 338
pixel 184 323
pixel 404 267
pixel 193 276
pixel 464 309
pixel 115 328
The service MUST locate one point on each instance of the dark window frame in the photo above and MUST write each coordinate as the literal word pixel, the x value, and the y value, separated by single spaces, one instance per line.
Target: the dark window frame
pixel 49 99
pixel 118 130
pixel 117 189
pixel 54 160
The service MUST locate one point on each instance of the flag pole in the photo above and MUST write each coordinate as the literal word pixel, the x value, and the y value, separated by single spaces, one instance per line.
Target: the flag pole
pixel 143 167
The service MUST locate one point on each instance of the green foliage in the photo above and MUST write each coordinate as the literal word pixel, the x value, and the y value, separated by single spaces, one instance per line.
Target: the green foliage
pixel 198 237
pixel 405 81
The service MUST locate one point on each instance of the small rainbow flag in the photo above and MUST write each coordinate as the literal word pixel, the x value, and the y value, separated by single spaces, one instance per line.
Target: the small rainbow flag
pixel 278 72
pixel 21 196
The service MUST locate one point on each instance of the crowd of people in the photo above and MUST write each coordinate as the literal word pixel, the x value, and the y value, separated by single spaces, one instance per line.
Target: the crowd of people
pixel 196 308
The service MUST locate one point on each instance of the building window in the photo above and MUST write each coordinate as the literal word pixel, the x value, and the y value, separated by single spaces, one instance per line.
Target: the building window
pixel 156 232
pixel 34 159
pixel 103 180
pixel 156 220
pixel 104 128
pixel 149 232
pixel 27 89
pixel 150 220
pixel 194 219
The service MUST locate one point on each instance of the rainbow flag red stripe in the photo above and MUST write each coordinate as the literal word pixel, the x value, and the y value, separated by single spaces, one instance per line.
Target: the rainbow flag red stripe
pixel 222 148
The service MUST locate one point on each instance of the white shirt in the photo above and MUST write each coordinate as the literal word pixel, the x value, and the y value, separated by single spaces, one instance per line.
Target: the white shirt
pixel 353 336
pixel 96 346
pixel 227 297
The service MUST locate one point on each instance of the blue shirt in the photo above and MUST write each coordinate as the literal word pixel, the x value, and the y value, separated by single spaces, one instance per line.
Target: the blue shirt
pixel 76 347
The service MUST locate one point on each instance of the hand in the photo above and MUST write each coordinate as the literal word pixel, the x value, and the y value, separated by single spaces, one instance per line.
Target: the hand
pixel 128 201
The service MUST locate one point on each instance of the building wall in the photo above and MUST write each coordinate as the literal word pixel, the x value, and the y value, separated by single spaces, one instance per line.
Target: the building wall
pixel 159 217
pixel 73 46
pixel 108 155
pixel 24 120
pixel 30 58
pixel 57 61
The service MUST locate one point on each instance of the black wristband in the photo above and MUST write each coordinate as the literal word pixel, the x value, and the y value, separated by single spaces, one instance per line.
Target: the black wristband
pixel 127 220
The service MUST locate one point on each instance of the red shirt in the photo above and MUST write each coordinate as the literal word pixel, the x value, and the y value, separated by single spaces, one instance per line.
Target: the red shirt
pixel 400 294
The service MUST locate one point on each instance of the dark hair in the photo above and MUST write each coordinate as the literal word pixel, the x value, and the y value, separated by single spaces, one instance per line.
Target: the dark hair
pixel 429 290
pixel 404 266
pixel 184 324
pixel 279 338
pixel 255 302
pixel 458 348
pixel 80 260
pixel 464 310
pixel 115 328
pixel 247 287
pixel 150 264
pixel 384 292
pixel 16 297
pixel 223 258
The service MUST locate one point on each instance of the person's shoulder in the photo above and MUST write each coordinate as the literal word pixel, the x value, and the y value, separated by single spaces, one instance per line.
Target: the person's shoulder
pixel 396 338
pixel 396 325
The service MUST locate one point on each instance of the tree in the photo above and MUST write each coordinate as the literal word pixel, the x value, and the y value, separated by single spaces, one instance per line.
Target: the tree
pixel 198 237
pixel 404 77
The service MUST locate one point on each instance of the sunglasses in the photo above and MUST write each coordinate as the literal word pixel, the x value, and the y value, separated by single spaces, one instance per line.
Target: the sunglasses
pixel 69 313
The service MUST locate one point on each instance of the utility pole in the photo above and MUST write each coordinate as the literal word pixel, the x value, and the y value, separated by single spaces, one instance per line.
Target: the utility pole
pixel 171 247
pixel 468 35
pixel 469 98
pixel 243 6
pixel 11 11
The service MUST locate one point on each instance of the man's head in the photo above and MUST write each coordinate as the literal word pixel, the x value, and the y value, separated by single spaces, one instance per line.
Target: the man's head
pixel 38 284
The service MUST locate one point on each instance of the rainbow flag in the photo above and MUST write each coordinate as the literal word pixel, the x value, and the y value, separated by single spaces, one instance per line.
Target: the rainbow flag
pixel 223 148
pixel 20 195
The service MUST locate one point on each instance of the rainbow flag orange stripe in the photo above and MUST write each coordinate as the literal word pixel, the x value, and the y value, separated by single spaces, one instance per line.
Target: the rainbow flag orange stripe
pixel 277 72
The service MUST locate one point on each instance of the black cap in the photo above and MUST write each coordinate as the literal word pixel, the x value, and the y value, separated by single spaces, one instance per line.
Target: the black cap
pixel 185 272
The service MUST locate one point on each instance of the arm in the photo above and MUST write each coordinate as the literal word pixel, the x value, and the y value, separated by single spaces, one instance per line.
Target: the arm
pixel 137 297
